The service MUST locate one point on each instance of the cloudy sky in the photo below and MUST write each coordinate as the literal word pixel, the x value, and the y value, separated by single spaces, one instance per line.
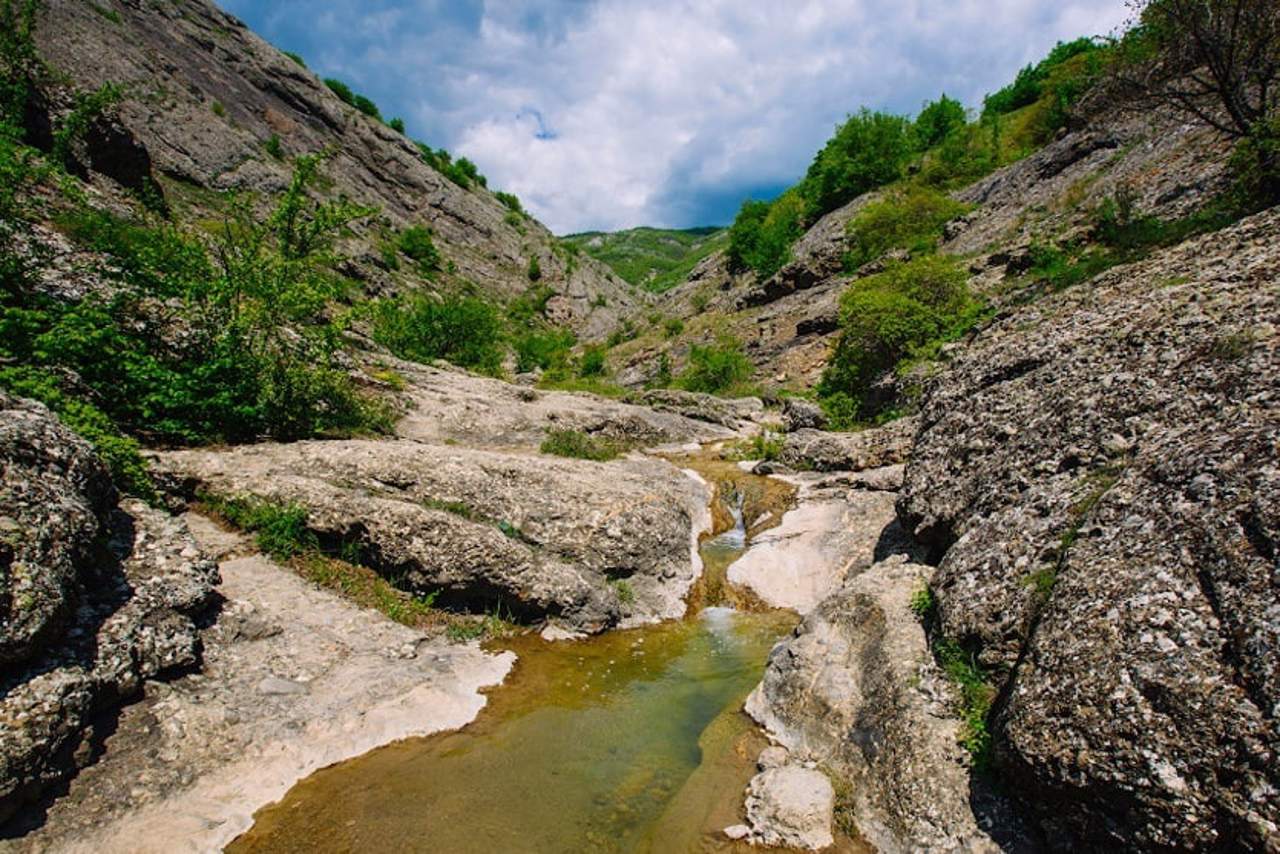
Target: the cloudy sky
pixel 607 114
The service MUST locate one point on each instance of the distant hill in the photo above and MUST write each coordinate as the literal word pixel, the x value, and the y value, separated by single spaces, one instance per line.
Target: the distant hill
pixel 656 259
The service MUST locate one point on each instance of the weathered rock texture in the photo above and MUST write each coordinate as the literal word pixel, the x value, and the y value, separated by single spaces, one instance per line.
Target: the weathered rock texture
pixel 855 689
pixel 205 94
pixel 1098 475
pixel 817 450
pixel 96 599
pixel 534 535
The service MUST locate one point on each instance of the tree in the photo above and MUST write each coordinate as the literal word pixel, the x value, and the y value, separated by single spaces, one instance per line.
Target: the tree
pixel 938 119
pixel 1216 60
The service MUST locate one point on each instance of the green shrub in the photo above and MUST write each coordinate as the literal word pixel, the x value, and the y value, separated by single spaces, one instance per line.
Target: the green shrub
pixel 579 445
pixel 281 527
pixel 977 695
pixel 938 120
pixel 544 349
pixel 904 313
pixel 219 110
pixel 368 107
pixel 256 358
pixel 672 327
pixel 273 146
pixel 762 233
pixel 296 58
pixel 511 201
pixel 909 218
pixel 416 243
pixel 534 271
pixel 869 150
pixel 342 90
pixel 1029 85
pixel 623 590
pixel 922 602
pixel 531 306
pixel 593 362
pixel 714 368
pixel 463 330
pixel 396 124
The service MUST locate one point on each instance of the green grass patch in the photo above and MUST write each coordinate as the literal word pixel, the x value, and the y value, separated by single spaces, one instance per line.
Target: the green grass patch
pixel 367 589
pixel 623 590
pixel 579 445
pixel 280 528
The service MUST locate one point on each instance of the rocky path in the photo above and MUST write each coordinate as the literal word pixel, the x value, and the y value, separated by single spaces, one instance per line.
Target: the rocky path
pixel 295 678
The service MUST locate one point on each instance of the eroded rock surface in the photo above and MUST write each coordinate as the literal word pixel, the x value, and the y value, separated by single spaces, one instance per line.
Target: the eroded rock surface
pixel 97 599
pixel 856 691
pixel 538 536
pixel 817 450
pixel 791 807
pixel 294 679
pixel 1098 474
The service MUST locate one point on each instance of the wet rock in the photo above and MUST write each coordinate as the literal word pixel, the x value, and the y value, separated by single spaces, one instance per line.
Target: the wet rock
pixel 791 807
pixel 737 832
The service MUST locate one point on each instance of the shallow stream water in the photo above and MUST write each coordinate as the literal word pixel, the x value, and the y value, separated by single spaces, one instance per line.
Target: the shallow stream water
pixel 633 741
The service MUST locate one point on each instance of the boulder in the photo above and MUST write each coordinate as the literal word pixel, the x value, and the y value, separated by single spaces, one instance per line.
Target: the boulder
pixel 801 414
pixel 791 807
pixel 856 691
pixel 732 413
pixel 816 450
pixel 536 536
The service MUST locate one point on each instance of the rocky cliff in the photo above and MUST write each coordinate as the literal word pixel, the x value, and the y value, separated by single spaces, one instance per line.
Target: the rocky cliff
pixel 204 96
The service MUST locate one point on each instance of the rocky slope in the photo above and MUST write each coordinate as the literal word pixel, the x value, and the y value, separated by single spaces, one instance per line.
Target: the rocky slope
pixel 203 97
pixel 1092 490
pixel 97 597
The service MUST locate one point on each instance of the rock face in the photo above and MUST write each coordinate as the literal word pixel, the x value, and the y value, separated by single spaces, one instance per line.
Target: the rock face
pixel 1098 476
pixel 855 689
pixel 96 599
pixel 593 544
pixel 791 807
pixel 206 94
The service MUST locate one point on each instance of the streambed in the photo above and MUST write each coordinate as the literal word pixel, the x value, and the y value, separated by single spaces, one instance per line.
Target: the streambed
pixel 633 741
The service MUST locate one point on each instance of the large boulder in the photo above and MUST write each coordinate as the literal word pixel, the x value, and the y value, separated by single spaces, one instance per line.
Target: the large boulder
pixel 591 544
pixel 1098 476
pixel 98 599
pixel 817 450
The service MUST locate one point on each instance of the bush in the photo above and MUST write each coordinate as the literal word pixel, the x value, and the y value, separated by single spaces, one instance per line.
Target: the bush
pixel 342 90
pixel 908 218
pixel 255 358
pixel 368 107
pixel 416 243
pixel 762 233
pixel 578 445
pixel 903 313
pixel 273 146
pixel 715 368
pixel 534 272
pixel 511 201
pixel 547 350
pixel 462 330
pixel 296 58
pixel 869 150
pixel 1029 85
pixel 672 327
pixel 593 362
pixel 938 120
pixel 396 124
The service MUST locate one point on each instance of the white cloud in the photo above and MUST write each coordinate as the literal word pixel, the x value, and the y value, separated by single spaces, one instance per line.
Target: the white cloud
pixel 666 112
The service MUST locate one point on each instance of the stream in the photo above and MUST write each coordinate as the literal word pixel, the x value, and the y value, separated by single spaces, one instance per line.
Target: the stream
pixel 632 741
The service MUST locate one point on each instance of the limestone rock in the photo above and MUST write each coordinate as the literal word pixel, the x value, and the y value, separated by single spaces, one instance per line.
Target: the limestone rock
pixel 801 414
pixel 538 536
pixel 821 451
pixel 100 599
pixel 855 690
pixel 1098 474
pixel 791 807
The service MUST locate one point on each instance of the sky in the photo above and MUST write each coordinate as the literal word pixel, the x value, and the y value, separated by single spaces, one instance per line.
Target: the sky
pixel 610 114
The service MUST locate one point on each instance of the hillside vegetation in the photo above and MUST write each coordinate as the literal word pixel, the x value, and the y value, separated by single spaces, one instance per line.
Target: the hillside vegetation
pixel 656 259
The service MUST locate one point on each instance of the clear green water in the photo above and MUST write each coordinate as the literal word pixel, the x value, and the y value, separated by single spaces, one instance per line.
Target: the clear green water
pixel 629 742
